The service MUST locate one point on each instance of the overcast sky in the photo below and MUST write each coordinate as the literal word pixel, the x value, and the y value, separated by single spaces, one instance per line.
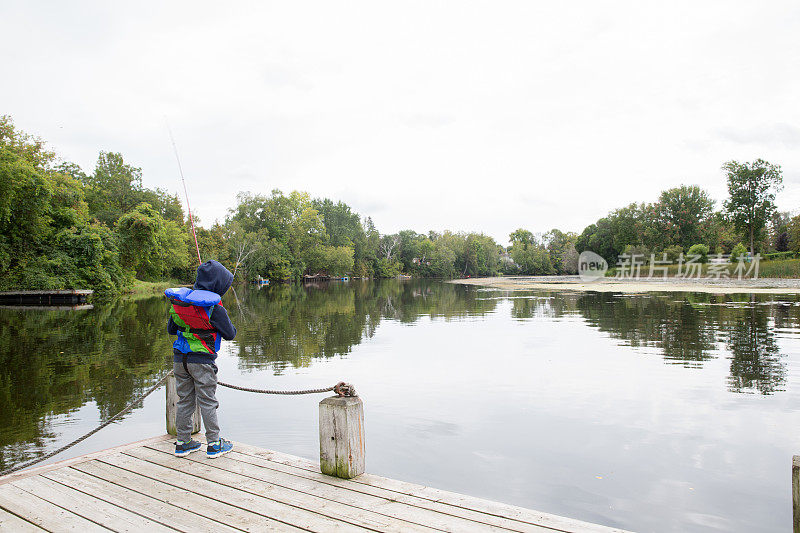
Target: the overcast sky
pixel 424 115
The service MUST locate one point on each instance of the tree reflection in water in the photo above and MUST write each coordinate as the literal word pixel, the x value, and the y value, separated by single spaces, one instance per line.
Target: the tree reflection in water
pixel 54 362
pixel 756 362
pixel 689 329
pixel 291 325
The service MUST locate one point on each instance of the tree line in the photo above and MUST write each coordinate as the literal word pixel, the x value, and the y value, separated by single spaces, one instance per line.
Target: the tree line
pixel 684 221
pixel 61 227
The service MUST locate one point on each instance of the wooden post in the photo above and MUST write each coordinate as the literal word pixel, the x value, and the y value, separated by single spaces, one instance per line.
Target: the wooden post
pixel 341 436
pixel 796 493
pixel 172 408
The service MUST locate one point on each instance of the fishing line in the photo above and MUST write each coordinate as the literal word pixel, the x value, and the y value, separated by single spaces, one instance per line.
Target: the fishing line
pixel 185 193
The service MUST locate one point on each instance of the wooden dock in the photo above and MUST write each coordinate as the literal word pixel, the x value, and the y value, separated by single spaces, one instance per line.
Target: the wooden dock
pixel 68 297
pixel 143 487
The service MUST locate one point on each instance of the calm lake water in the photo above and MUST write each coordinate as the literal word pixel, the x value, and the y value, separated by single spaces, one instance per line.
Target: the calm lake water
pixel 656 412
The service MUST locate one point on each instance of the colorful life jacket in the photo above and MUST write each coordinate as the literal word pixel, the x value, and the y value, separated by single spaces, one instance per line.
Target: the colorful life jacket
pixel 191 311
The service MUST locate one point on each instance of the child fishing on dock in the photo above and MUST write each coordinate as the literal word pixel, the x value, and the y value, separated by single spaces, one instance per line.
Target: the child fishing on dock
pixel 200 321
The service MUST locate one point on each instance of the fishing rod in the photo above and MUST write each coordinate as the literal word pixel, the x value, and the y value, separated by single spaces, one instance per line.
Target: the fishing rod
pixel 185 193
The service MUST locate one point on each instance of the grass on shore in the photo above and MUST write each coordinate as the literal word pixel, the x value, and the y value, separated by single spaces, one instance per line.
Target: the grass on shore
pixel 781 268
pixel 146 289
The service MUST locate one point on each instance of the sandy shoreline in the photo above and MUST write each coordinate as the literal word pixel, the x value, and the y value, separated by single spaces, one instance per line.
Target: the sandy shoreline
pixel 574 283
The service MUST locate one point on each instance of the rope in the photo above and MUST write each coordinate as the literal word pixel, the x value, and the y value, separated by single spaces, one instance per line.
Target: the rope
pixel 92 432
pixel 341 389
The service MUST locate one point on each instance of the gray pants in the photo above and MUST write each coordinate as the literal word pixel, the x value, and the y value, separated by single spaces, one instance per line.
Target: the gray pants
pixel 200 385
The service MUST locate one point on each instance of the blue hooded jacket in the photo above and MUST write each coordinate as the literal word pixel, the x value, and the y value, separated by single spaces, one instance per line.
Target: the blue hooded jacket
pixel 211 276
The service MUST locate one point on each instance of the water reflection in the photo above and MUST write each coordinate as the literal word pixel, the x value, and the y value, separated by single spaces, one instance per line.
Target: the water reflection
pixel 756 362
pixel 290 325
pixel 54 362
pixel 689 328
pixel 553 306
pixel 682 332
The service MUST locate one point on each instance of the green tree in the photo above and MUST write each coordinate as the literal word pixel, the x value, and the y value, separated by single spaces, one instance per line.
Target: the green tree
pixel 751 189
pixel 306 236
pixel 408 250
pixel 720 233
pixel 45 239
pixel 113 189
pixel 388 268
pixel 632 225
pixel 345 228
pixel 337 260
pixel 599 238
pixel 737 253
pixel 150 246
pixel 793 234
pixel 561 247
pixel 292 237
pixel 672 253
pixel 698 251
pixel 682 213
pixel 529 254
pixel 272 259
pixel 25 190
pixel 482 257
pixel 779 231
pixel 365 266
pixel 442 260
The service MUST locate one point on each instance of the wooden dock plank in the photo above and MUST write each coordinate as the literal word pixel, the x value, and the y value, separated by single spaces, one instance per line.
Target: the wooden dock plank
pixel 450 499
pixel 182 509
pixel 11 522
pixel 143 502
pixel 387 503
pixel 45 297
pixel 99 511
pixel 411 504
pixel 143 487
pixel 294 508
pixel 80 459
pixel 445 511
pixel 175 517
pixel 408 515
pixel 331 506
pixel 43 513
pixel 57 292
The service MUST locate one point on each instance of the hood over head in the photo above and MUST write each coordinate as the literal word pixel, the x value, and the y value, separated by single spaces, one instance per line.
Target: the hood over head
pixel 212 276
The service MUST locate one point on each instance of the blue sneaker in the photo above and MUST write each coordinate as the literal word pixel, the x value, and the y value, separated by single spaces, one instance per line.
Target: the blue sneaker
pixel 184 448
pixel 218 448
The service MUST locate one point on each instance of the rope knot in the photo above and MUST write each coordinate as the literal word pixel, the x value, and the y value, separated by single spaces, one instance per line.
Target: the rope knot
pixel 345 389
